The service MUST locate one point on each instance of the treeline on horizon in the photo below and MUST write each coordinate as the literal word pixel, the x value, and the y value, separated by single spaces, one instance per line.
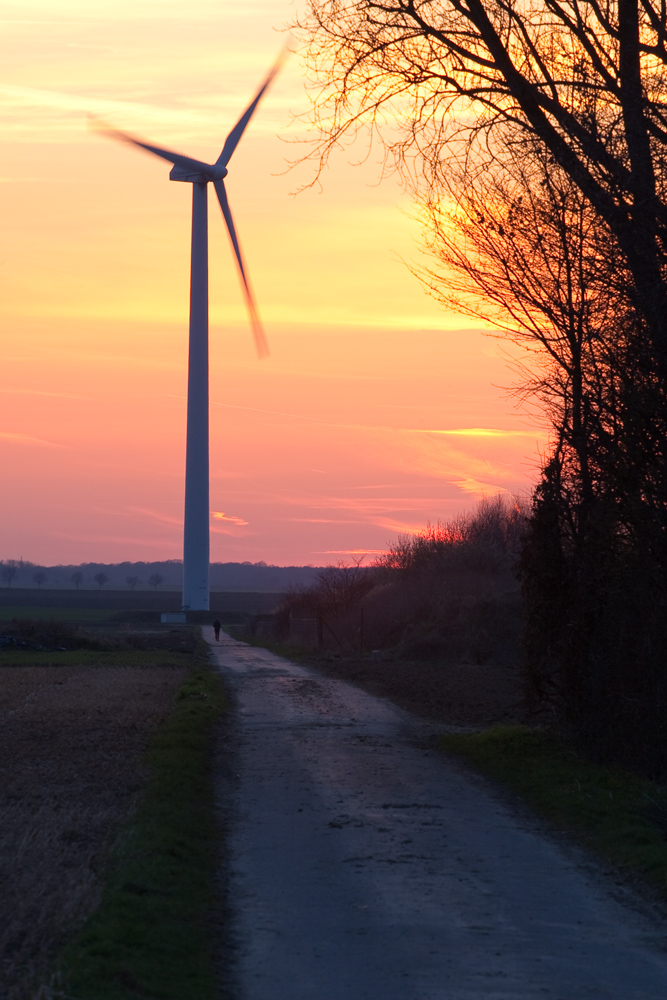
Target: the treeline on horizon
pixel 159 575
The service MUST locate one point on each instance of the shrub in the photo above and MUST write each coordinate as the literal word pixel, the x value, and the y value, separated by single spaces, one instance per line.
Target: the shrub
pixel 449 593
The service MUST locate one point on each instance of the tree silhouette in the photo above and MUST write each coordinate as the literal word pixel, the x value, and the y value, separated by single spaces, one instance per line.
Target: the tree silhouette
pixel 544 126
pixel 464 81
pixel 77 578
pixel 100 579
pixel 39 577
pixel 155 579
pixel 132 582
pixel 10 570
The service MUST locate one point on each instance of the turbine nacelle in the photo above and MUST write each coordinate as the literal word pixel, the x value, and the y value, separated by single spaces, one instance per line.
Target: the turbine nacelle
pixel 210 173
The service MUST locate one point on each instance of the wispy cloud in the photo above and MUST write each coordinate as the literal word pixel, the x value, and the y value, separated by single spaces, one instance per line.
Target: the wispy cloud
pixel 360 505
pixel 219 515
pixel 478 488
pixel 28 439
pixel 481 461
pixel 19 179
pixel 322 520
pixel 400 527
pixel 39 392
pixel 154 515
pixel 476 432
pixel 60 100
pixel 20 109
pixel 350 552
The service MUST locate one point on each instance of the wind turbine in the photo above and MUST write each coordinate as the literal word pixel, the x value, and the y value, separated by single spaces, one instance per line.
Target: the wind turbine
pixel 196 592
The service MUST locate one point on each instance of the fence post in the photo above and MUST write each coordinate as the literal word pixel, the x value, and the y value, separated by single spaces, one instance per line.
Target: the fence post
pixel 361 633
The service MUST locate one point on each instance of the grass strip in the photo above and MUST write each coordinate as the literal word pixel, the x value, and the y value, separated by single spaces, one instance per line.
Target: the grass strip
pixel 152 934
pixel 620 817
pixel 95 658
pixel 8 612
pixel 297 654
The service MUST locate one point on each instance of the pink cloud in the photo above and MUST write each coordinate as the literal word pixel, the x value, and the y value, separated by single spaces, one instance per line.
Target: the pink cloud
pixel 29 440
pixel 221 516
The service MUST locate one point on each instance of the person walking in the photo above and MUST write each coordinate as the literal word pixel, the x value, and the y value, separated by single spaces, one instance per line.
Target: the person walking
pixel 216 628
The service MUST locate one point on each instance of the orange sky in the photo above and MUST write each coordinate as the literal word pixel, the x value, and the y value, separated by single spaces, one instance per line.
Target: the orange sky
pixel 376 411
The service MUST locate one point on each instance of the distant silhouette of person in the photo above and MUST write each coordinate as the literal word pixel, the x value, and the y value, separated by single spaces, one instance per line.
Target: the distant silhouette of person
pixel 216 628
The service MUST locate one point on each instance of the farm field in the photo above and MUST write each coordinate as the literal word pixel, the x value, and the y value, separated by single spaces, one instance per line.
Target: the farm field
pixel 75 727
pixel 100 604
pixel 8 612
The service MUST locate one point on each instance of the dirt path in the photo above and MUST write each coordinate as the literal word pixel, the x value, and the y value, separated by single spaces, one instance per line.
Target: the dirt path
pixel 366 865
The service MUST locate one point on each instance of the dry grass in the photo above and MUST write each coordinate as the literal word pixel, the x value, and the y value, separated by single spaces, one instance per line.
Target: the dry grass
pixel 474 695
pixel 72 740
pixel 469 695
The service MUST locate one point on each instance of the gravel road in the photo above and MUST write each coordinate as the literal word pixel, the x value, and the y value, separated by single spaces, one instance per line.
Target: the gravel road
pixel 365 864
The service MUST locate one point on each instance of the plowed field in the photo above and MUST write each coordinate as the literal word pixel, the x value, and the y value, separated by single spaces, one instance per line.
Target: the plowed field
pixel 72 740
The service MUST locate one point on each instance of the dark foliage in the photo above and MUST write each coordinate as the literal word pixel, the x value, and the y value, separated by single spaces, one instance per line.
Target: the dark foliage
pixel 449 594
pixel 544 126
pixel 53 636
pixel 50 636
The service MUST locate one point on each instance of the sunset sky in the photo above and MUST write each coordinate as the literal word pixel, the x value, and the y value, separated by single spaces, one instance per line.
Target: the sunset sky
pixel 376 411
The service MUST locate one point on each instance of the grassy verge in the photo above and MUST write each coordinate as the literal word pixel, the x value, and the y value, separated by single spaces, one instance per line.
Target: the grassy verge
pixel 152 934
pixel 620 817
pixel 95 658
pixel 8 613
pixel 296 653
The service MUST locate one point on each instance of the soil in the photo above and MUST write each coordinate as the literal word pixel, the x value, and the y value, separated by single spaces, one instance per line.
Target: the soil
pixel 468 695
pixel 72 743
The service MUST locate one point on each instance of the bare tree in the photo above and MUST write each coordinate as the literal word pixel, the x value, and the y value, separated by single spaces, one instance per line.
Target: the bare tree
pixel 487 540
pixel 445 81
pixel 39 577
pixel 546 124
pixel 155 579
pixel 341 587
pixel 10 570
pixel 523 250
pixel 77 578
pixel 132 582
pixel 493 103
pixel 100 579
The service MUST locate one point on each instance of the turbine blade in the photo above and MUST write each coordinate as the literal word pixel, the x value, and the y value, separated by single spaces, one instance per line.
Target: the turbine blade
pixel 260 338
pixel 232 140
pixel 196 166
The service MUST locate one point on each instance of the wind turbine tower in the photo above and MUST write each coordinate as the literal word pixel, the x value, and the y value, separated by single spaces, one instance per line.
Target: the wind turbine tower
pixel 196 589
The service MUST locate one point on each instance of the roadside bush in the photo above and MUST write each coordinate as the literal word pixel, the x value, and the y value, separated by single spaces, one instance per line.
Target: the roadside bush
pixel 596 636
pixel 467 630
pixel 449 593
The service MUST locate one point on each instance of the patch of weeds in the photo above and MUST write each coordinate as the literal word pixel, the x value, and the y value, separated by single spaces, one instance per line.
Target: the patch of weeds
pixel 8 612
pixel 621 817
pixel 152 935
pixel 49 636
pixel 53 637
pixel 95 658
pixel 296 653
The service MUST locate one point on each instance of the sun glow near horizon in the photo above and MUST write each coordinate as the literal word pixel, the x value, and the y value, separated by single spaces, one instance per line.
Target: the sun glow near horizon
pixel 376 411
